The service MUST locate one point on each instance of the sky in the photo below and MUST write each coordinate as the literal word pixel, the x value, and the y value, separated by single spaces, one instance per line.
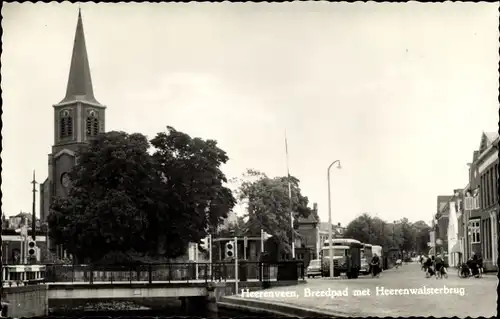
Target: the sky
pixel 399 93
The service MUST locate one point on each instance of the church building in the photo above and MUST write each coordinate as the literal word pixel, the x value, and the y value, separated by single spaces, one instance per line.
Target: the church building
pixel 78 118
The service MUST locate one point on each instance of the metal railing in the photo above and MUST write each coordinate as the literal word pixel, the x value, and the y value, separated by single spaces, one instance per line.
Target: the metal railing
pixel 175 272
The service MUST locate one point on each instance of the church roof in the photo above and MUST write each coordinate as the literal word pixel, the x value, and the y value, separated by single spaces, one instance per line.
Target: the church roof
pixel 491 136
pixel 79 82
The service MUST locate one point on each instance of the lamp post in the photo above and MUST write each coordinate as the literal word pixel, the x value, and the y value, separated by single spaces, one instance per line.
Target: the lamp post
pixel 330 248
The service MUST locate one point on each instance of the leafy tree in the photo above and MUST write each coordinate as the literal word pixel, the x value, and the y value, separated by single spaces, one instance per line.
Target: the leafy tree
pixel 197 199
pixel 238 228
pixel 125 200
pixel 268 206
pixel 422 236
pixel 360 229
pixel 401 234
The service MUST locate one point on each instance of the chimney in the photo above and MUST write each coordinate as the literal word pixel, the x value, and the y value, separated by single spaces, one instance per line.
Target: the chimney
pixel 315 206
pixel 338 224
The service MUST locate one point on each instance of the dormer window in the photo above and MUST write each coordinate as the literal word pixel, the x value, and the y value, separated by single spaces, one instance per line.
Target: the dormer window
pixel 65 124
pixel 92 123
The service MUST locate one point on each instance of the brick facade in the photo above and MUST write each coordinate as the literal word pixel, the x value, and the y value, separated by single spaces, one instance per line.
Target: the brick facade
pixel 482 223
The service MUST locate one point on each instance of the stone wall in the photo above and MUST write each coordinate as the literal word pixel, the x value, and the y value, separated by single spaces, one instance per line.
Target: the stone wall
pixel 26 301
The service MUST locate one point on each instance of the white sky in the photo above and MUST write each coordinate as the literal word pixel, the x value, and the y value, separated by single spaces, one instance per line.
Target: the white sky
pixel 400 93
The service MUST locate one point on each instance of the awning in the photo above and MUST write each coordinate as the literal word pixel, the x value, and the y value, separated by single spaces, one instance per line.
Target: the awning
pixel 456 248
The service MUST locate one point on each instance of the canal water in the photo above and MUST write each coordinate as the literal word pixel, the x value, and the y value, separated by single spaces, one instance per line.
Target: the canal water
pixel 128 309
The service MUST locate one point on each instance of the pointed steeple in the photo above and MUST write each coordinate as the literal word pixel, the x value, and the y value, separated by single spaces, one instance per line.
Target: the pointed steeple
pixel 79 82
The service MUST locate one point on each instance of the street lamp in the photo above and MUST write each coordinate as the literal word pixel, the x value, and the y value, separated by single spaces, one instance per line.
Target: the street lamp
pixel 330 248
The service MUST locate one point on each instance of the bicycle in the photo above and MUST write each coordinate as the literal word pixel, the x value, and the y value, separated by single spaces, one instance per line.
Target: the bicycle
pixel 398 263
pixel 375 271
pixel 441 272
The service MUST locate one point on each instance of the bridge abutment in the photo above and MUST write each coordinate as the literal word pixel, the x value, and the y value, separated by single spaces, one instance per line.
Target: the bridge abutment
pixel 26 301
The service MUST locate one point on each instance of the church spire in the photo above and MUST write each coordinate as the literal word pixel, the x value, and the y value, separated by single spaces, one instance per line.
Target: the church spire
pixel 79 82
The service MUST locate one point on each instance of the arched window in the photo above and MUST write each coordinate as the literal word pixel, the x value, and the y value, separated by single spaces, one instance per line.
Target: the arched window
pixel 65 124
pixel 92 123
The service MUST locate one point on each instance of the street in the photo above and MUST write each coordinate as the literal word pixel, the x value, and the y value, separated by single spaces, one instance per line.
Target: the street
pixel 458 297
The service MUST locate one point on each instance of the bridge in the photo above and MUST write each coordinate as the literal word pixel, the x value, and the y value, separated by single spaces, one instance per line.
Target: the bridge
pixel 186 281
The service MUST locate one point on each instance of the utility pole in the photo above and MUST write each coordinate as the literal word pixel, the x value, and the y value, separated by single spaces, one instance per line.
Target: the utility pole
pixel 33 219
pixel 292 237
pixel 330 230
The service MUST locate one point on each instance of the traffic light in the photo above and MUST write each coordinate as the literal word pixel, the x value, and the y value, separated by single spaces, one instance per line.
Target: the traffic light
pixel 230 249
pixel 32 248
pixel 205 243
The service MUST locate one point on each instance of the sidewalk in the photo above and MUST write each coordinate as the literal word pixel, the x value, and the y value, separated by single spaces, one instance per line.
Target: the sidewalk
pixel 454 272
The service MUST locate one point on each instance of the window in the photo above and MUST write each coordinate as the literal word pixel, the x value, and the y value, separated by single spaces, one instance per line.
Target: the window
pixel 486 190
pixel 315 263
pixel 65 124
pixel 484 247
pixel 489 251
pixel 92 123
pixel 490 235
pixel 474 231
pixel 490 190
pixel 336 252
pixel 495 181
pixel 493 184
pixel 482 192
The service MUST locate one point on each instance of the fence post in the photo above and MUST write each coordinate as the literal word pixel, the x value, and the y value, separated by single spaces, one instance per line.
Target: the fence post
pixel 130 273
pixel 206 272
pixel 169 272
pixel 91 277
pixel 150 275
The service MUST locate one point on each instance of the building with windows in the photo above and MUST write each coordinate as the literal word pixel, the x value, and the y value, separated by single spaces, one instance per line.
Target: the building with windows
pixel 306 243
pixel 453 255
pixel 477 213
pixel 483 222
pixel 78 118
pixel 441 223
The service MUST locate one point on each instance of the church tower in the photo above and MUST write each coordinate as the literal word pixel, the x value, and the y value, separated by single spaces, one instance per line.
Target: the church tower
pixel 78 118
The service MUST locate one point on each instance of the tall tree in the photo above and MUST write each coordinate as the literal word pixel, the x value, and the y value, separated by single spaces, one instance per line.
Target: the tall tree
pixel 422 236
pixel 361 229
pixel 268 206
pixel 237 228
pixel 400 234
pixel 124 199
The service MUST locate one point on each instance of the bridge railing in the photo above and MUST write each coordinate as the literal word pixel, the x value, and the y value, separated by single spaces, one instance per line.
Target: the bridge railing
pixel 173 272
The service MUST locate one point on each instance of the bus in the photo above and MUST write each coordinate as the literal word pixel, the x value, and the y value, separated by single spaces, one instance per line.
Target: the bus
pixel 366 258
pixel 346 257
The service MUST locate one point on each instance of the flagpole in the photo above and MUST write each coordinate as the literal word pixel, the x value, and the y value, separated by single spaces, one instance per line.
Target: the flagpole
pixel 290 197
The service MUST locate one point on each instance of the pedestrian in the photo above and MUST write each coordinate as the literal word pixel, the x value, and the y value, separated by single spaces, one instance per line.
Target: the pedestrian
pixel 429 271
pixel 440 269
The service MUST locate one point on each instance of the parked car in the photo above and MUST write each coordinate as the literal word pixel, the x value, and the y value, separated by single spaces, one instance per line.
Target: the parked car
pixel 365 267
pixel 314 268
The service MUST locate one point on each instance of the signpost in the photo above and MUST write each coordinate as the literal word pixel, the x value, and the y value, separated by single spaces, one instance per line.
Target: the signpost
pixel 23 233
pixel 469 205
pixel 210 253
pixel 196 259
pixel 236 264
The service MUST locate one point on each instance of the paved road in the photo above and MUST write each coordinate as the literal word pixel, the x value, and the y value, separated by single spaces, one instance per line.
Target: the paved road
pixel 454 296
